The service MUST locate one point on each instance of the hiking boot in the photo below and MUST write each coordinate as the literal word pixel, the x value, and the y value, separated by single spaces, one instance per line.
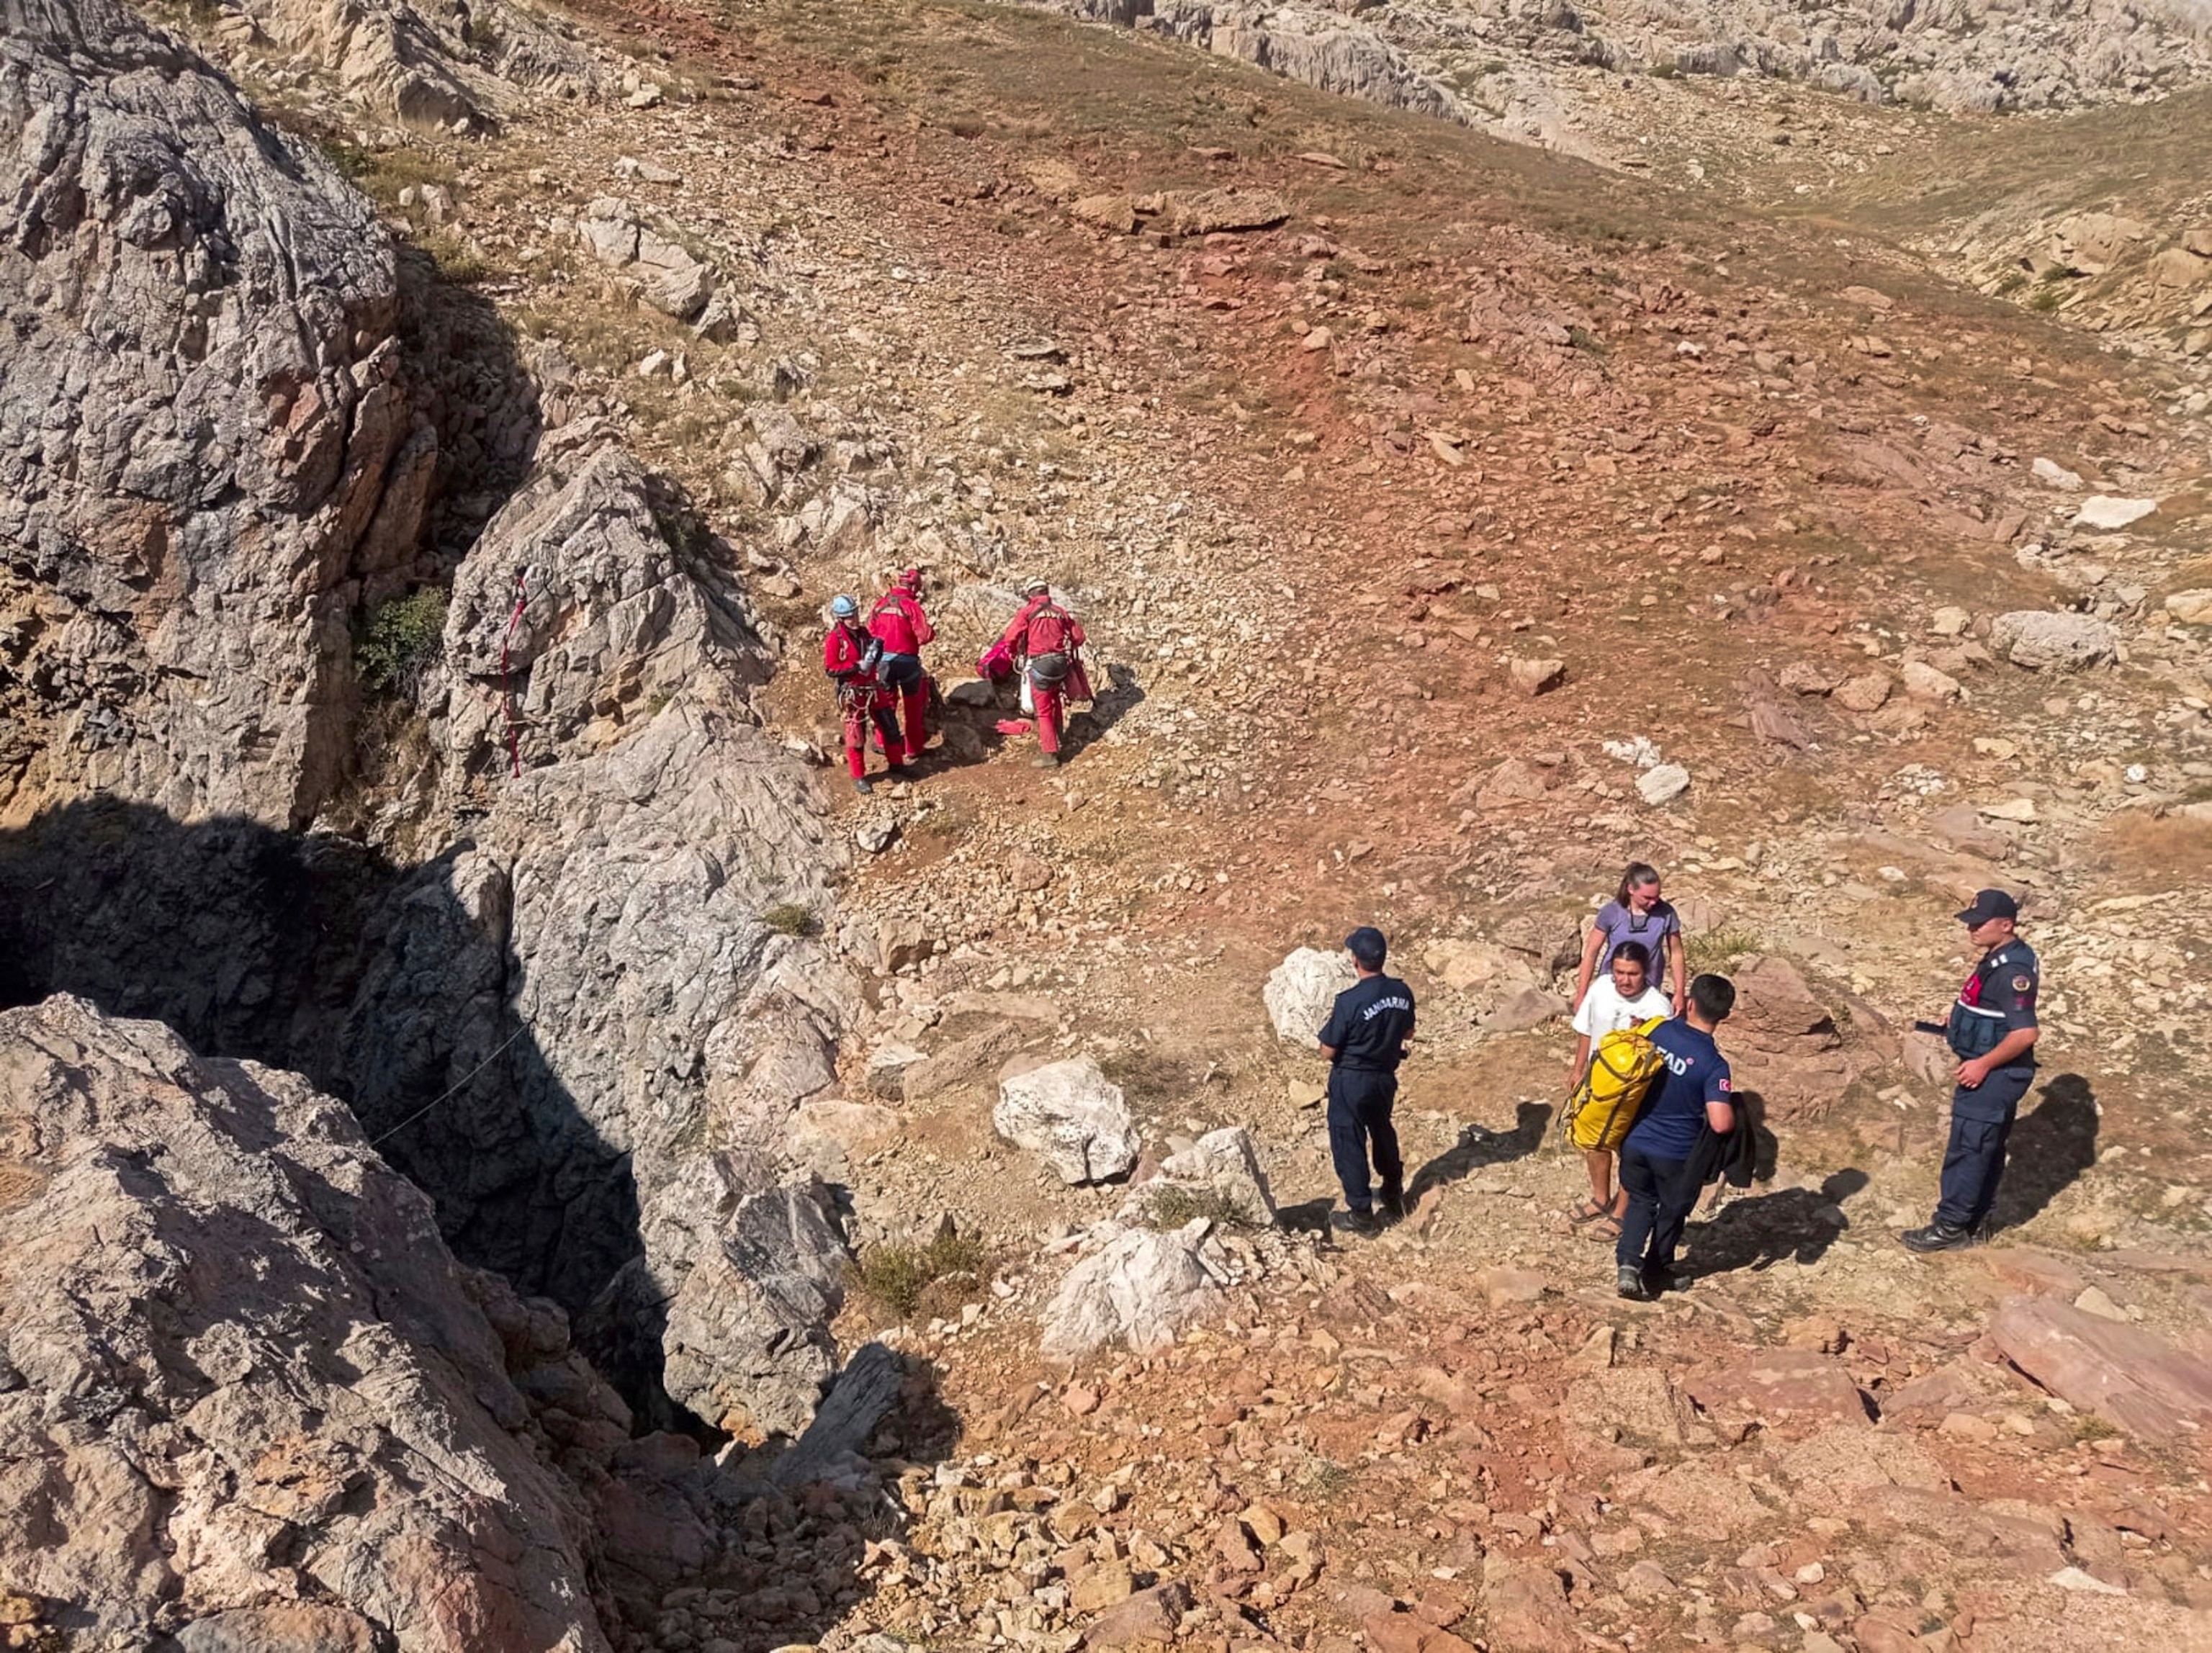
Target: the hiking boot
pixel 1361 1223
pixel 1658 1281
pixel 864 786
pixel 1391 1204
pixel 1940 1236
pixel 1629 1283
pixel 1046 761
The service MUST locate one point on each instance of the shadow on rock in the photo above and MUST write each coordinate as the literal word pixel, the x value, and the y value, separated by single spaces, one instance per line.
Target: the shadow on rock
pixel 1478 1147
pixel 388 988
pixel 1756 1233
pixel 2047 1150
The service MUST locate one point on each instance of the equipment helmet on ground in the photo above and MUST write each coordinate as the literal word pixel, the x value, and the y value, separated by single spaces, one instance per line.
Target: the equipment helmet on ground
pixel 844 608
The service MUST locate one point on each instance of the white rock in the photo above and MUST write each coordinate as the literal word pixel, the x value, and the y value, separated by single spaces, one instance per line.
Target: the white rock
pixel 2073 1578
pixel 1924 682
pixel 887 1067
pixel 2052 474
pixel 1141 1287
pixel 1301 990
pixel 2191 608
pixel 2019 809
pixel 1663 784
pixel 1223 1164
pixel 1949 621
pixel 2104 511
pixel 654 362
pixel 2041 641
pixel 1072 1116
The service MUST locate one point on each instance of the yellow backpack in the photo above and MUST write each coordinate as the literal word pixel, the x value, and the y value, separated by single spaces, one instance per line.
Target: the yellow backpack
pixel 1612 1093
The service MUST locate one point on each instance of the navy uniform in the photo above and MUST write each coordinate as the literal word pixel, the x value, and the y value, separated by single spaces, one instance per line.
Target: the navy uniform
pixel 1994 1002
pixel 1365 1039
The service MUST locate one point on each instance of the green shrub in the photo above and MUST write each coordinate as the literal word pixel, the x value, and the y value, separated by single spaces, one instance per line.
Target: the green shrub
pixel 400 641
pixel 791 918
pixel 1173 1205
pixel 1717 950
pixel 897 1276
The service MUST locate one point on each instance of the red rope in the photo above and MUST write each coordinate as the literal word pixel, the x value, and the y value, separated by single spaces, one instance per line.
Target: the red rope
pixel 506 696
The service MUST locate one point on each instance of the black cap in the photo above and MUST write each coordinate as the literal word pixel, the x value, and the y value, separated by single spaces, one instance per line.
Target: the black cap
pixel 1366 944
pixel 1989 904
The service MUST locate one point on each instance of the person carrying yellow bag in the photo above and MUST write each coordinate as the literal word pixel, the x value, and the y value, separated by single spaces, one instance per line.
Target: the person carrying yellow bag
pixel 1609 1073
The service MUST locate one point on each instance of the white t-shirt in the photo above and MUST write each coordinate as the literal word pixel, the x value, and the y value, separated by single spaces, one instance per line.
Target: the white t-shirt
pixel 1603 1010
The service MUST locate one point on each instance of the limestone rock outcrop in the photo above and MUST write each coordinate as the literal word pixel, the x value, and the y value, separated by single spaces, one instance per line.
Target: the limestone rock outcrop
pixel 247 1398
pixel 203 418
pixel 1070 1115
pixel 1301 991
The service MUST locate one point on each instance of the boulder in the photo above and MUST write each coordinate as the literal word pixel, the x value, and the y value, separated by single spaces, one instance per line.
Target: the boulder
pixel 1150 1617
pixel 1781 1387
pixel 241 1365
pixel 1924 682
pixel 1513 781
pixel 2052 474
pixel 2109 515
pixel 746 1346
pixel 1302 991
pixel 1522 1009
pixel 1117 213
pixel 2191 608
pixel 2124 1374
pixel 1662 783
pixel 1785 1044
pixel 2045 642
pixel 1221 1170
pixel 1864 693
pixel 615 620
pixel 1534 677
pixel 1072 1116
pixel 1467 966
pixel 1141 1287
pixel 1206 212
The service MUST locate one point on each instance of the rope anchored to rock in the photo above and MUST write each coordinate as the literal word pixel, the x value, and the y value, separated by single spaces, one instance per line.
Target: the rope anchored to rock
pixel 379 1141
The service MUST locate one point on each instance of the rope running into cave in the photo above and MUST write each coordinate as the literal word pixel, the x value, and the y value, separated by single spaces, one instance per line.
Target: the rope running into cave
pixel 379 1141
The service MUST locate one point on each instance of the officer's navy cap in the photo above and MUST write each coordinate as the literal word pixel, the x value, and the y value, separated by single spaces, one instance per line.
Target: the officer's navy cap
pixel 1366 944
pixel 1989 904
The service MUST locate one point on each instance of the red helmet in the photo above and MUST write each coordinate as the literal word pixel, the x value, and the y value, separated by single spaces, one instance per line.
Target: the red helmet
pixel 908 580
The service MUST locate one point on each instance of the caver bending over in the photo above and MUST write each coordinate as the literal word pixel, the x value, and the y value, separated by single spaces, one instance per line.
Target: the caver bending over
pixel 850 656
pixel 898 622
pixel 1043 638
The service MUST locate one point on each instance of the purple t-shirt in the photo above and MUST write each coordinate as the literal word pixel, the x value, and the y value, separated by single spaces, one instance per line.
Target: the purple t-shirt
pixel 1652 927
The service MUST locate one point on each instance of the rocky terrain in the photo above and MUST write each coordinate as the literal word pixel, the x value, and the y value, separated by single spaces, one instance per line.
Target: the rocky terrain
pixel 500 1150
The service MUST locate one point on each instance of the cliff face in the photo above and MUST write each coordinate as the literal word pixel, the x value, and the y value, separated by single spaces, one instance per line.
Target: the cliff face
pixel 227 425
pixel 205 445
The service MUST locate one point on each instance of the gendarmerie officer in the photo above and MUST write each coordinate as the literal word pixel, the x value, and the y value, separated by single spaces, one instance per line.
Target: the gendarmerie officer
pixel 1364 1041
pixel 1992 1032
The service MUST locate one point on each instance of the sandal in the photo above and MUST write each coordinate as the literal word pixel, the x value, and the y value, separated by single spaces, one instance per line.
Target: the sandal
pixel 1608 1229
pixel 1589 1212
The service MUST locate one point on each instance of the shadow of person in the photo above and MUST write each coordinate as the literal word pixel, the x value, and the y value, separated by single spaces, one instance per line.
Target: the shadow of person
pixel 1756 1233
pixel 2047 1150
pixel 1477 1148
pixel 1121 694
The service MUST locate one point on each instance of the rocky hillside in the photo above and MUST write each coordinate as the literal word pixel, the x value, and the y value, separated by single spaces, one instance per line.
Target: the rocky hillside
pixel 867 1223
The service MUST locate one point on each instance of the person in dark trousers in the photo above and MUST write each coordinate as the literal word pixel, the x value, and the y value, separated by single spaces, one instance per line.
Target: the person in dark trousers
pixel 1992 1032
pixel 1364 1041
pixel 1693 1092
